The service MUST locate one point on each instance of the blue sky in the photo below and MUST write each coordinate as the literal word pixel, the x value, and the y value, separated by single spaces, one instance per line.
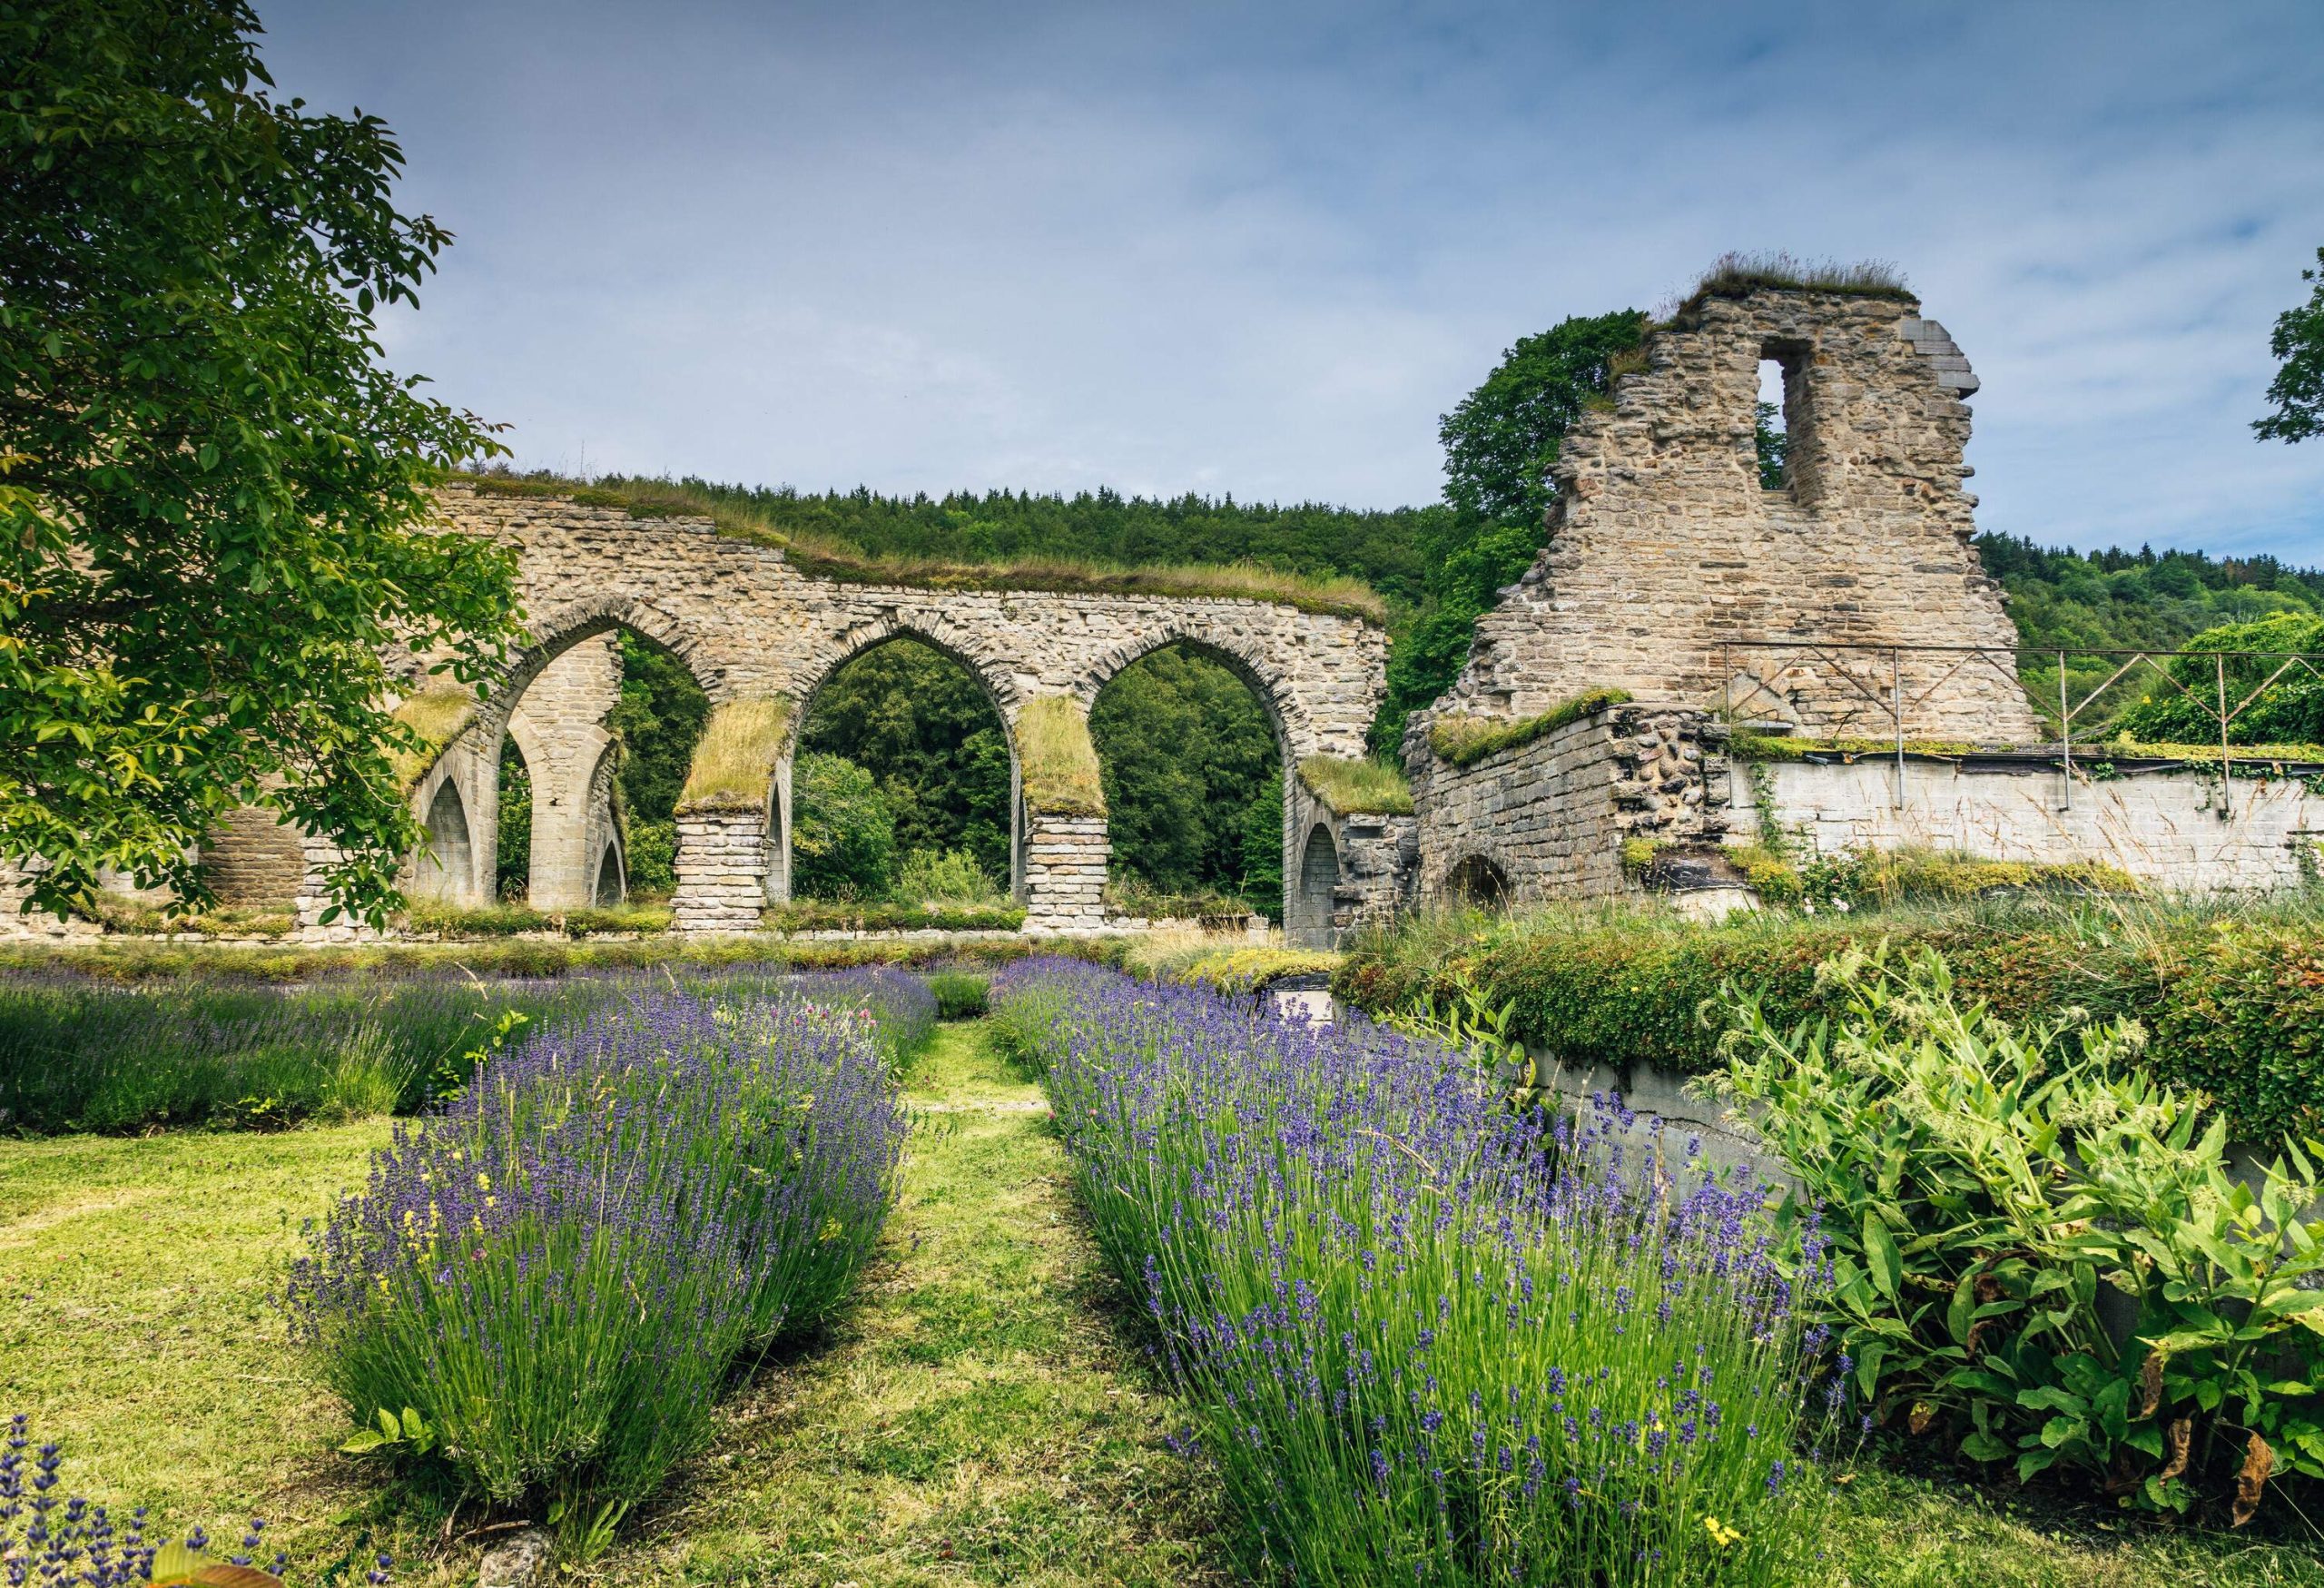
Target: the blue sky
pixel 1259 249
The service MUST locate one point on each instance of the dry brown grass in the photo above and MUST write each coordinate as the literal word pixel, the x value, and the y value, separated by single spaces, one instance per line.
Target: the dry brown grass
pixel 733 763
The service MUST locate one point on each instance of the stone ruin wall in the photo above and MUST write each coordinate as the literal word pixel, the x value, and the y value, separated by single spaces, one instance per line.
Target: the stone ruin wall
pixel 749 626
pixel 1551 816
pixel 1663 541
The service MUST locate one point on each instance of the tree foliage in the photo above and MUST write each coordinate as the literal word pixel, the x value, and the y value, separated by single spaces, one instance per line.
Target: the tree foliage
pixel 212 490
pixel 1499 442
pixel 1193 779
pixel 2289 706
pixel 2298 390
pixel 659 719
pixel 924 728
pixel 512 855
pixel 842 835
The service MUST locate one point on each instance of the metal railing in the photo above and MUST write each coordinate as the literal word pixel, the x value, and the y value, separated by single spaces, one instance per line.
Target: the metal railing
pixel 1858 664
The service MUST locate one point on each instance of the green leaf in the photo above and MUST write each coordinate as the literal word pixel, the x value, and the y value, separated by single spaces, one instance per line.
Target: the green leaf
pixel 1880 1256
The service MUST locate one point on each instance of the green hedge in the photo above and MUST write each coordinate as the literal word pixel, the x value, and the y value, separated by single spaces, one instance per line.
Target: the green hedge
pixel 833 915
pixel 2235 1009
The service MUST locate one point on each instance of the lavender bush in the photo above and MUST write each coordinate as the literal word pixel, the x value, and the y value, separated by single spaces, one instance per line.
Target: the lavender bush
pixel 558 1271
pixel 1423 1338
pixel 70 1542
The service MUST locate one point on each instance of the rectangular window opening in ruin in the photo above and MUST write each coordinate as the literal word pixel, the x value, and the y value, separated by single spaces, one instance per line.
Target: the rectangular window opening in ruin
pixel 1776 420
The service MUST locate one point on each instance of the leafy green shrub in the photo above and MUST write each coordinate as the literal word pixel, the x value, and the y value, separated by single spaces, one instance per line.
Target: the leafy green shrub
pixel 945 876
pixel 842 835
pixel 1981 1184
pixel 959 994
pixel 652 859
pixel 2288 711
pixel 2235 1007
pixel 837 915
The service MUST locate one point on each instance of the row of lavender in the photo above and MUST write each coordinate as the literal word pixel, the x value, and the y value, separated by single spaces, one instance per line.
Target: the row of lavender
pixel 1418 1341
pixel 559 1269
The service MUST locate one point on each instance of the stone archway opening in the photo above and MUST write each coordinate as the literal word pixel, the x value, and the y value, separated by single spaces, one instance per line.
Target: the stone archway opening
pixel 1308 910
pixel 1477 883
pixel 444 871
pixel 512 857
pixel 902 784
pixel 595 745
pixel 1193 760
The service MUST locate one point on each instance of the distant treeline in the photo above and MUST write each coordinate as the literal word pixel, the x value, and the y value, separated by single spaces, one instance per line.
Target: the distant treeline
pixel 1384 547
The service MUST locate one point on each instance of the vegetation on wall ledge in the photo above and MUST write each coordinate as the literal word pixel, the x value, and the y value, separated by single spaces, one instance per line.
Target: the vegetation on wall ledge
pixel 824 556
pixel 1353 786
pixel 1732 275
pixel 435 715
pixel 1466 740
pixel 734 765
pixel 1060 765
pixel 1764 747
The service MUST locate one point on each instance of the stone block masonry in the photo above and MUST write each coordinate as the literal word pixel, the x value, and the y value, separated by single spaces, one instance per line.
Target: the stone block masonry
pixel 1663 542
pixel 1550 817
pixel 749 626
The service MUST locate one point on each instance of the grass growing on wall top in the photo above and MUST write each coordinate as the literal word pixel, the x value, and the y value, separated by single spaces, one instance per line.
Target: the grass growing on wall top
pixel 828 558
pixel 733 764
pixel 436 713
pixel 1351 785
pixel 1060 763
pixel 1466 740
pixel 1733 274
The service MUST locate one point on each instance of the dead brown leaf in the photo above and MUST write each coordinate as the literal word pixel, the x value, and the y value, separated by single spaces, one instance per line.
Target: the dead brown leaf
pixel 2259 1461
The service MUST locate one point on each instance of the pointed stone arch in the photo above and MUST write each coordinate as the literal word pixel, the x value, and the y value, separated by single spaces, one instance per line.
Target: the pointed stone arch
pixel 1248 661
pixel 1309 898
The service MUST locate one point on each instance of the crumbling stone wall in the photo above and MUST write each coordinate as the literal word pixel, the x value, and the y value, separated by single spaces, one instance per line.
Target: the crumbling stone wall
pixel 1352 870
pixel 1551 816
pixel 1663 541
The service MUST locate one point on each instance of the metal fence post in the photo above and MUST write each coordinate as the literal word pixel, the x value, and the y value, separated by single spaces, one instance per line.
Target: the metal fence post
pixel 1897 706
pixel 2065 731
pixel 2226 767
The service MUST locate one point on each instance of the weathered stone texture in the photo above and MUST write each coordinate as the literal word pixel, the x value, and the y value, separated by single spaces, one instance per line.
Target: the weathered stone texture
pixel 722 871
pixel 1352 870
pixel 254 860
pixel 749 626
pixel 1551 815
pixel 2165 828
pixel 1664 542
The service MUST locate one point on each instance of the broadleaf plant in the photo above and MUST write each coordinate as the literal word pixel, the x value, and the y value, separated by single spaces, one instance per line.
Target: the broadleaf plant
pixel 214 509
pixel 2039 1253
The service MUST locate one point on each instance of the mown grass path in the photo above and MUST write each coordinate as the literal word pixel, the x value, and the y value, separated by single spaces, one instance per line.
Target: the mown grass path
pixel 979 1414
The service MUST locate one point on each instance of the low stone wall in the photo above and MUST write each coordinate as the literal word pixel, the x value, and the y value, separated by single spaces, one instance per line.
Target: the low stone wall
pixel 2177 828
pixel 1551 815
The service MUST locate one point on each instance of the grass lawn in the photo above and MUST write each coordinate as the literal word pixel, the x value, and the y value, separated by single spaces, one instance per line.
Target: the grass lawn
pixel 979 1414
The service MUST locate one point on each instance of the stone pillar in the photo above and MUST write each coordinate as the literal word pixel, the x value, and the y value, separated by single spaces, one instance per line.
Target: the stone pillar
pixel 560 727
pixel 1064 872
pixel 721 868
pixel 1379 857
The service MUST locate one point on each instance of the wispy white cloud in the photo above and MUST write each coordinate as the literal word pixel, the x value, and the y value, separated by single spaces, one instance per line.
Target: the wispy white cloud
pixel 1261 249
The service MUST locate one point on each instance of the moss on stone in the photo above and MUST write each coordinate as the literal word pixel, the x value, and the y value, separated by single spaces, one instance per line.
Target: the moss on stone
pixel 1466 740
pixel 435 715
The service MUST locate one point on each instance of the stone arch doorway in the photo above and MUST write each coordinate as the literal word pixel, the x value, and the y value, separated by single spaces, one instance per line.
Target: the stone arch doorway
pixel 571 713
pixel 1308 910
pixel 907 727
pixel 1196 759
pixel 444 872
pixel 1477 883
